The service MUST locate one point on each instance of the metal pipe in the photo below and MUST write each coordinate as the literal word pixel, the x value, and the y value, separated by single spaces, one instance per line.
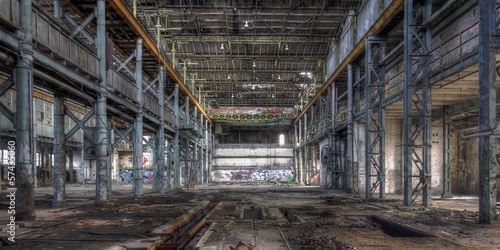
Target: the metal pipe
pixel 24 144
pixel 138 144
pixel 101 197
pixel 59 198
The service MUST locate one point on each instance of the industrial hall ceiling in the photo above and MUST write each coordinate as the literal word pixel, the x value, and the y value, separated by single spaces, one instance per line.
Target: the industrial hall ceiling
pixel 247 53
pixel 231 53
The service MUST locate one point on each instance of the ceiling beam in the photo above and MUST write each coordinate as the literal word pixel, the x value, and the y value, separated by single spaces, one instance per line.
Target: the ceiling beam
pixel 137 28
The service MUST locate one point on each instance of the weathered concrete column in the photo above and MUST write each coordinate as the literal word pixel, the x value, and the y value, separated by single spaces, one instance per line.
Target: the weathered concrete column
pixel 138 149
pixel 23 146
pixel 101 197
pixel 59 198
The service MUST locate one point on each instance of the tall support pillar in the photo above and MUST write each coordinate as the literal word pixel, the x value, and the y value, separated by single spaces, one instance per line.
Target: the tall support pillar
pixel 102 133
pixel 138 139
pixel 185 146
pixel 200 152
pixel 59 198
pixel 24 144
pixel 295 153
pixel 350 140
pixel 446 154
pixel 374 117
pixel 417 134
pixel 160 149
pixel 487 111
pixel 306 152
pixel 301 154
pixel 177 158
pixel 70 166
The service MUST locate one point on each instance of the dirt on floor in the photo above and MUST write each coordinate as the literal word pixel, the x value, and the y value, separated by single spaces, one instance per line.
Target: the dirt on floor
pixel 265 217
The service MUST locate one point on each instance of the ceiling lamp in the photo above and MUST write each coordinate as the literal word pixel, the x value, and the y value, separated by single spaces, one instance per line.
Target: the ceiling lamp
pixel 286 47
pixel 246 25
pixel 279 77
pixel 229 76
pixel 221 46
pixel 254 65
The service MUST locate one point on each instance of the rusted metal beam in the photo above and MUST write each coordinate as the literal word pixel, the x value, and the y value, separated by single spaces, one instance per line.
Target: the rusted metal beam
pixel 138 30
pixel 392 10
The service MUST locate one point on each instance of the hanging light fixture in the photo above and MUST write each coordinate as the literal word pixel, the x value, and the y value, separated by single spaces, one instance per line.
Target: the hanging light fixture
pixel 286 47
pixel 254 65
pixel 221 46
pixel 246 25
pixel 279 77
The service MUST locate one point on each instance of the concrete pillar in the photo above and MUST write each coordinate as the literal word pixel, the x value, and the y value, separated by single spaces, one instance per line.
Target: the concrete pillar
pixel 59 198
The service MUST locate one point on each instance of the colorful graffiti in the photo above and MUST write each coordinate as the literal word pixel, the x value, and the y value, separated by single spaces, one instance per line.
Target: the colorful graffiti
pixel 147 176
pixel 252 175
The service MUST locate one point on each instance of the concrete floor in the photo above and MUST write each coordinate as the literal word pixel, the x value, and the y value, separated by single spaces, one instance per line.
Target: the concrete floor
pixel 254 215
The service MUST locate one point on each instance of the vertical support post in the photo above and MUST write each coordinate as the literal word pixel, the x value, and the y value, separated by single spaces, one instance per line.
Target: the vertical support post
pixel 301 155
pixel 101 196
pixel 59 198
pixel 487 112
pixel 417 96
pixel 25 193
pixel 200 152
pixel 446 154
pixel 349 149
pixel 138 144
pixel 161 130
pixel 295 153
pixel 177 160
pixel 109 183
pixel 70 159
pixel 186 151
pixel 374 116
pixel 306 151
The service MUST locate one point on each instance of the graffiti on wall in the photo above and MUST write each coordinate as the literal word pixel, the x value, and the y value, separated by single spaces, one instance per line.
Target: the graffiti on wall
pixel 252 175
pixel 147 176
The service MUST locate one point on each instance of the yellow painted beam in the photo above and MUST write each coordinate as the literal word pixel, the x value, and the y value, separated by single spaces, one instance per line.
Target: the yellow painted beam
pixel 392 10
pixel 138 30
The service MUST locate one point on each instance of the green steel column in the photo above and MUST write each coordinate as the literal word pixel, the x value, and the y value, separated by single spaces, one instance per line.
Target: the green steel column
pixel 101 197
